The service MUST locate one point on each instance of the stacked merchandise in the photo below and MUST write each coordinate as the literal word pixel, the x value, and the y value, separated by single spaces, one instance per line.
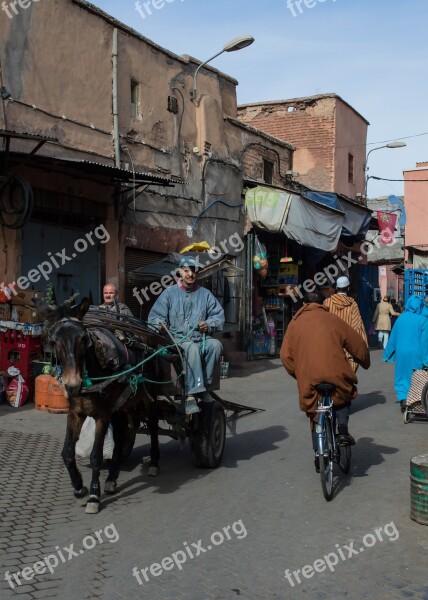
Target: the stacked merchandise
pixel 20 341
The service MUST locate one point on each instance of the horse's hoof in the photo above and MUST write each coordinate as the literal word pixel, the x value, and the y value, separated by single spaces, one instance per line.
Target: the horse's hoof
pixel 92 506
pixel 110 486
pixel 153 471
pixel 81 493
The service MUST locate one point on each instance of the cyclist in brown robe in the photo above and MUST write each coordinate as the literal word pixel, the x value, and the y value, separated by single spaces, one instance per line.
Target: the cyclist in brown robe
pixel 313 352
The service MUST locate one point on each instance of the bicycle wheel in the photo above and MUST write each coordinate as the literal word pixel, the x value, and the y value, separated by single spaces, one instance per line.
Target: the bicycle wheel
pixel 345 458
pixel 326 461
pixel 424 398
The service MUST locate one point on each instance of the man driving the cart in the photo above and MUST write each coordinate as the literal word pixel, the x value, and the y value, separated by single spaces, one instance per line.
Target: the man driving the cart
pixel 191 313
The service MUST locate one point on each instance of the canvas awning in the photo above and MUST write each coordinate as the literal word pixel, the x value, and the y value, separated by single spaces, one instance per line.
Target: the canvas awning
pixel 267 207
pixel 313 219
pixel 356 217
pixel 419 256
pixel 314 224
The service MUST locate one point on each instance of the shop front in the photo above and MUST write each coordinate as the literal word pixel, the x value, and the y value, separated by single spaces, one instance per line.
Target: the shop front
pixel 292 240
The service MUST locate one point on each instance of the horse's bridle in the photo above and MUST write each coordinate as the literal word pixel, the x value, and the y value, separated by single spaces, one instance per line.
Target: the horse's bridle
pixel 65 320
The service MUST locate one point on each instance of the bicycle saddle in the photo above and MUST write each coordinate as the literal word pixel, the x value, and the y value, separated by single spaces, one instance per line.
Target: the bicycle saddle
pixel 325 388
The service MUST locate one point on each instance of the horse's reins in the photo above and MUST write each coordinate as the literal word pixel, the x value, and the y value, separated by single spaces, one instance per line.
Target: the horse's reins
pixel 137 379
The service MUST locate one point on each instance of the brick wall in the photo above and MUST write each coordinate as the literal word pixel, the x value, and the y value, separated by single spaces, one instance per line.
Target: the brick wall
pixel 309 125
pixel 253 163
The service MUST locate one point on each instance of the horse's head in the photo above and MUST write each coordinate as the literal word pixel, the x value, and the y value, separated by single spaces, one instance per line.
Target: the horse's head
pixel 69 338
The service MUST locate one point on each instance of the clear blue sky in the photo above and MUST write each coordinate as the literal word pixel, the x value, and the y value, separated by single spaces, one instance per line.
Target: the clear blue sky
pixel 370 52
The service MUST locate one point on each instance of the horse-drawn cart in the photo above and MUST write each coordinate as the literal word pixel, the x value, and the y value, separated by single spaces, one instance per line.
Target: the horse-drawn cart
pixel 162 373
pixel 118 369
pixel 205 427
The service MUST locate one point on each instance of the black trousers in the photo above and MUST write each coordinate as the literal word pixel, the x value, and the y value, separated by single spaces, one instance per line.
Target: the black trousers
pixel 340 416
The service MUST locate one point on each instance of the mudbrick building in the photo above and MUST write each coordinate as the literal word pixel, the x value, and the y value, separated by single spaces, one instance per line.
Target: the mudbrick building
pixel 111 159
pixel 329 137
pixel 108 160
pixel 415 195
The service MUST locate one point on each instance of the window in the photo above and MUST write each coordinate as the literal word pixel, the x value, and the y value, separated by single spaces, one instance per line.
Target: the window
pixel 350 168
pixel 134 99
pixel 267 171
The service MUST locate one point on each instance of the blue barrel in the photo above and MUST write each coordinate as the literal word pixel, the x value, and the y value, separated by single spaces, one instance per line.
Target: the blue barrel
pixel 419 489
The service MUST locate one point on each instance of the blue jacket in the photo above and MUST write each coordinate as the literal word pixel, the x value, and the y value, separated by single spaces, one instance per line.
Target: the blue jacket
pixel 182 309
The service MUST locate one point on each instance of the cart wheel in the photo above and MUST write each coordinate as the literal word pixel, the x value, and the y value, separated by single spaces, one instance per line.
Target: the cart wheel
pixel 424 398
pixel 406 417
pixel 209 435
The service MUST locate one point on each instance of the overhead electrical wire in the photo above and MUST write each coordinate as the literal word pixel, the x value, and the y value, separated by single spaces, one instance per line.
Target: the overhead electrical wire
pixel 386 179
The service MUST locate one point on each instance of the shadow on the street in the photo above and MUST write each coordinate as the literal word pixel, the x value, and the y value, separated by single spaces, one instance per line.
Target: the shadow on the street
pixel 176 468
pixel 341 482
pixel 255 366
pixel 367 454
pixel 363 401
pixel 252 443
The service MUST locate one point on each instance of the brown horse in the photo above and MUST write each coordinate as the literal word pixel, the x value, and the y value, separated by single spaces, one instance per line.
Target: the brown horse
pixel 111 401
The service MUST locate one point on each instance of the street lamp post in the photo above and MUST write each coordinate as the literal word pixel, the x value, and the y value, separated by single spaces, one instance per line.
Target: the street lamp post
pixel 236 44
pixel 397 144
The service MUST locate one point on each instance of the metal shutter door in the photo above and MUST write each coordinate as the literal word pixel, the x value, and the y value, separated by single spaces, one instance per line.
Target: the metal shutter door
pixel 135 258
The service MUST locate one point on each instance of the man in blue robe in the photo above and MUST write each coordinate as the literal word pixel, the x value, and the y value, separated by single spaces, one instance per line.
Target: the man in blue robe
pixel 408 346
pixel 192 312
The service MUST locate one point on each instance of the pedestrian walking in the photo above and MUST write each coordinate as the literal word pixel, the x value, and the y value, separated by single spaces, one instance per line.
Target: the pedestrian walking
pixel 397 309
pixel 408 346
pixel 346 308
pixel 382 320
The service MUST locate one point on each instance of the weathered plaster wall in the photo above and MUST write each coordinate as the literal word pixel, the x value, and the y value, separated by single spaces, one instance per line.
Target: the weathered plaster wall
pixel 351 138
pixel 416 204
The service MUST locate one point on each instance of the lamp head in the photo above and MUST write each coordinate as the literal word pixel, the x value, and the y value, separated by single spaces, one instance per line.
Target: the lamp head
pixel 238 43
pixel 397 144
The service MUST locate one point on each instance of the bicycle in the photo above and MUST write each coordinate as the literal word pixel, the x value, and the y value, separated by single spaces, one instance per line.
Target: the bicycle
pixel 329 449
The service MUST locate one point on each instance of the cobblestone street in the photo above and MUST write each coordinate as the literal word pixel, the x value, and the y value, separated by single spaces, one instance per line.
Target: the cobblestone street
pixel 230 532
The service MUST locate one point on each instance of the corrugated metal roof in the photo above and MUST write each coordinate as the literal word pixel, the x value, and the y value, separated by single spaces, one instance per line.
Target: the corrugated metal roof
pixel 25 135
pixel 124 173
pixel 103 169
